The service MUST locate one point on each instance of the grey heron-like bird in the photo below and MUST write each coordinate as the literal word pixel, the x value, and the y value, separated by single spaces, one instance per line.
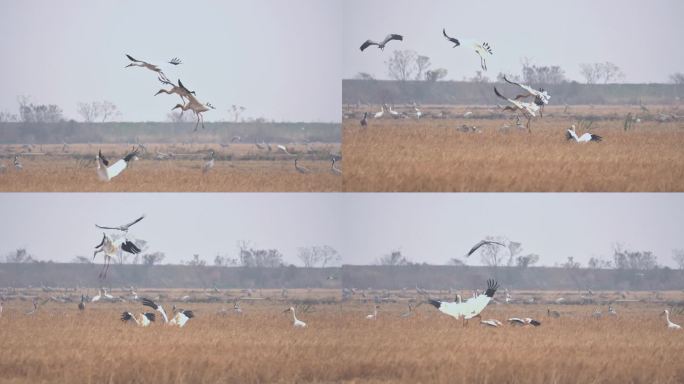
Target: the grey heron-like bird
pixel 207 166
pixel 151 67
pixel 381 45
pixel 179 89
pixel 17 164
pixel 541 97
pixel 529 110
pixel 364 121
pixel 334 169
pixel 196 107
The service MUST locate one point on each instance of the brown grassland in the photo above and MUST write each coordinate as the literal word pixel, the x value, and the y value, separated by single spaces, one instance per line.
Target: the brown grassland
pixel 433 155
pixel 59 344
pixel 238 168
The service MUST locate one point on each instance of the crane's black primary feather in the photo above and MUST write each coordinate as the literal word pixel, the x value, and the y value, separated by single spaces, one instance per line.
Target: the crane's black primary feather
pixel 131 156
pixel 175 61
pixel 535 322
pixel 126 316
pixel 492 286
pixel 129 247
pixel 150 316
pixel 149 303
pixel 568 136
pixel 189 314
pixel 104 159
pixel 596 137
pixel 436 303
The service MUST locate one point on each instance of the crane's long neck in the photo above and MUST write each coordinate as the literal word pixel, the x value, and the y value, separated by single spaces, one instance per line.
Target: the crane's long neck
pixel 667 316
pixel 294 316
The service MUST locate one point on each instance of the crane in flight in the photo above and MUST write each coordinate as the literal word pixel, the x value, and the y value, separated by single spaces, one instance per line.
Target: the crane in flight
pixel 529 110
pixel 482 243
pixel 196 107
pixel 151 67
pixel 469 308
pixel 381 45
pixel 179 89
pixel 541 97
pixel 110 249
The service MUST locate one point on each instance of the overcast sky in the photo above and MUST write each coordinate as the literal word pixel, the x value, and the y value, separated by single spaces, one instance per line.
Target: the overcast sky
pixel 426 227
pixel 644 38
pixel 279 59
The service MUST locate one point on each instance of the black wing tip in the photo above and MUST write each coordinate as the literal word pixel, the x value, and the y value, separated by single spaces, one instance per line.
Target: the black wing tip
pixel 150 316
pixel 492 286
pixel 596 138
pixel 397 37
pixel 125 316
pixel 130 57
pixel 189 314
pixel 535 323
pixel 435 303
pixel 149 303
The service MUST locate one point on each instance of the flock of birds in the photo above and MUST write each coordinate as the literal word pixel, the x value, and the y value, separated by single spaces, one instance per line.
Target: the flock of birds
pixel 517 105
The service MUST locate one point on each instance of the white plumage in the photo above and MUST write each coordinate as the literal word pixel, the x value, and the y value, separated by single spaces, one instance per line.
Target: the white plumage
pixel 670 325
pixel 585 138
pixel 296 322
pixel 107 172
pixel 471 307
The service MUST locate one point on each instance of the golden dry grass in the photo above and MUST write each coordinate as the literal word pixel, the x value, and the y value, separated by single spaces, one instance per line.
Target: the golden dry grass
pixel 239 168
pixel 61 345
pixel 431 155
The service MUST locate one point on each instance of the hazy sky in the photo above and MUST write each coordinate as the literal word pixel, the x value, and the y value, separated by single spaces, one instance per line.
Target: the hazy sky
pixel 279 59
pixel 426 227
pixel 644 38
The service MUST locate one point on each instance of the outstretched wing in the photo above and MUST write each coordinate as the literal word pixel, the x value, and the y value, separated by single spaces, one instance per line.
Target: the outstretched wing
pixel 132 59
pixel 391 37
pixel 103 237
pixel 133 222
pixel 104 159
pixel 367 44
pixel 130 247
pixel 492 286
pixel 452 39
pixel 480 244
pixel 496 91
pixel 180 84
pixel 175 61
pixel 126 316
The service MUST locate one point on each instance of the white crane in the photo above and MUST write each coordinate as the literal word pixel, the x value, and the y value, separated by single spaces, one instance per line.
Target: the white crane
pixel 300 169
pixel 236 308
pixel 364 121
pixel 517 321
pixel 207 166
pixel 145 318
pixel 670 325
pixel 17 165
pixel 585 138
pixel 393 113
pixel 379 115
pixel 611 311
pixel 491 323
pixel 110 249
pixel 107 295
pixel 541 97
pixel 196 107
pixel 381 45
pixel 471 307
pixel 180 317
pixel 482 243
pixel 123 228
pixel 106 172
pixel 97 297
pixel 283 149
pixel 334 169
pixel 179 89
pixel 297 323
pixel 418 112
pixel 374 315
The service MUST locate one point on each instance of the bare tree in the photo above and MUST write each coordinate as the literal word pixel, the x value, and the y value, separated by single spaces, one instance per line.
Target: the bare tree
pixel 224 261
pixel 236 111
pixel 492 255
pixel 88 111
pixel 526 260
pixel 571 263
pixel 601 72
pixel 153 258
pixel 542 74
pixel 318 255
pixel 479 78
pixel 626 259
pixel 677 78
pixel 596 263
pixel 402 65
pixel 82 260
pixel 38 113
pixel 364 76
pixel 21 255
pixel 6 117
pixel 393 258
pixel 436 75
pixel 259 258
pixel 107 110
pixel 422 66
pixel 678 257
pixel 195 261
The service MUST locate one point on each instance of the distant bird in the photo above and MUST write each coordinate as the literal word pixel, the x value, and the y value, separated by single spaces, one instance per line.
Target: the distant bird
pixel 393 113
pixel 111 249
pixel 179 89
pixel 107 295
pixel 612 311
pixel 236 308
pixel 381 44
pixel 482 50
pixel 123 228
pixel 481 243
pixel 196 107
pixel 235 139
pixel 145 318
pixel 17 165
pixel 597 314
pixel 283 149
pixel 471 307
pixel 529 110
pixel 106 172
pixel 526 321
pixel 379 115
pixel 408 313
pixel 374 315
pixel 491 323
pixel 181 317
pixel 151 67
pixel 334 169
pixel 541 97
pixel 451 39
pixel 467 114
pixel 301 169
pixel 297 323
pixel 670 325
pixel 34 302
pixel 207 166
pixel 551 313
pixel 97 297
pixel 364 121
pixel 585 138
pixel 418 113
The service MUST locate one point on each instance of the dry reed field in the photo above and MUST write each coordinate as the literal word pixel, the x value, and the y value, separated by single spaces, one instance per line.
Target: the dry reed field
pixel 433 155
pixel 59 344
pixel 238 168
